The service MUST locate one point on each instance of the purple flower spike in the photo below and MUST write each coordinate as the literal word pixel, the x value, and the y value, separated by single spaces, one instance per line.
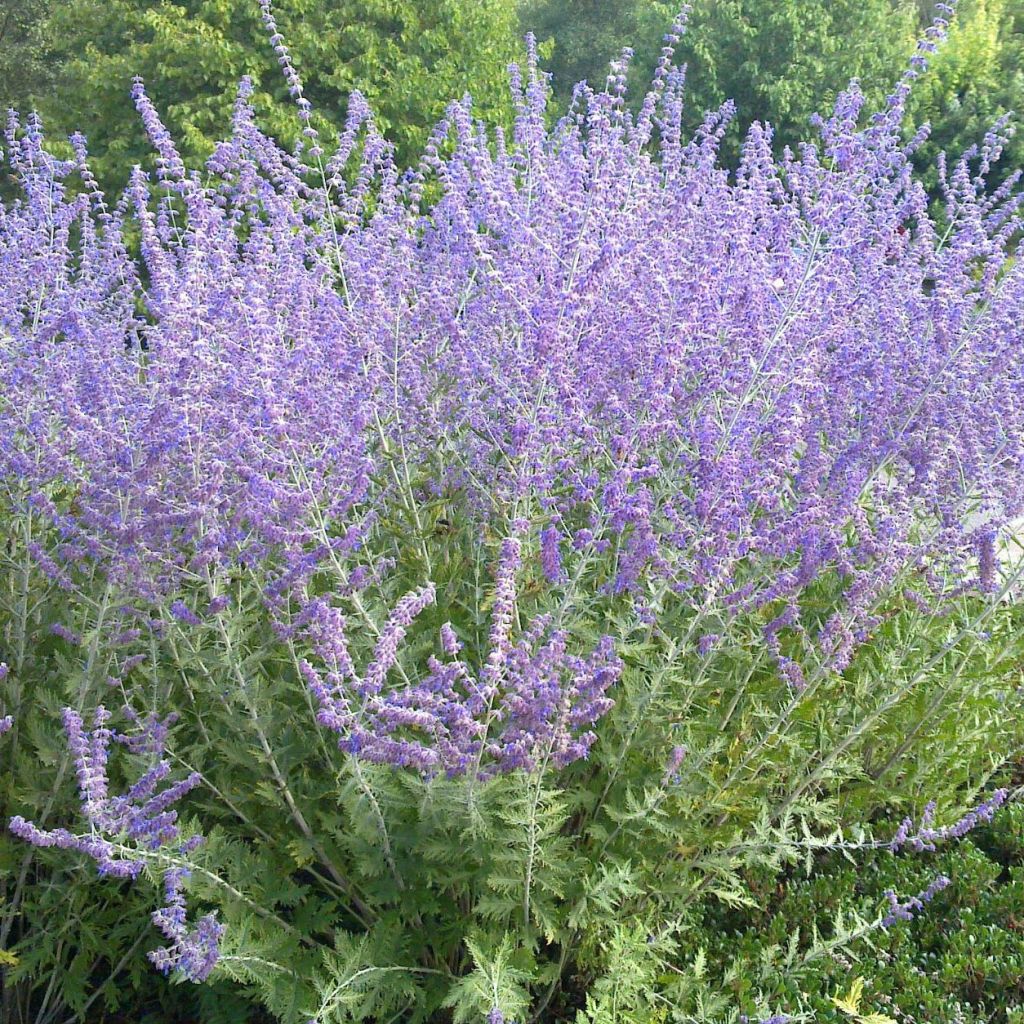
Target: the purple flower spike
pixel 124 829
pixel 926 836
pixel 194 951
pixel 906 911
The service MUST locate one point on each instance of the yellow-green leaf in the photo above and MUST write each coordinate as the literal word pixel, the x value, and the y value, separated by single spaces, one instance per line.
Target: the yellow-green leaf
pixel 850 1003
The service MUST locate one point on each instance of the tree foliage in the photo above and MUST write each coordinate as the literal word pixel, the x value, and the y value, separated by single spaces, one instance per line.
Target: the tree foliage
pixel 409 59
pixel 976 77
pixel 779 62
pixel 782 62
pixel 23 71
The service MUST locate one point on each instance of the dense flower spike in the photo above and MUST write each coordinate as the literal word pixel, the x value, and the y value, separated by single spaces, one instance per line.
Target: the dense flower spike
pixel 926 836
pixel 193 951
pixel 537 708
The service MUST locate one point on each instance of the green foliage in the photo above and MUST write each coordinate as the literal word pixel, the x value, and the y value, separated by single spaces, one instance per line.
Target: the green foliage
pixel 605 893
pixel 960 962
pixel 976 77
pixel 610 893
pixel 784 62
pixel 494 981
pixel 780 62
pixel 409 59
pixel 24 74
pixel 585 35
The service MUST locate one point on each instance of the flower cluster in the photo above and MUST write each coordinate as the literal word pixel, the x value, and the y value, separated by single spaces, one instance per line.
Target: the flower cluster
pixel 532 703
pixel 193 952
pixel 130 831
pixel 905 911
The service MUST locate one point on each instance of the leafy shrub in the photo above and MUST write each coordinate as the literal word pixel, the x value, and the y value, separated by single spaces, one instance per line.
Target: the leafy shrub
pixel 963 961
pixel 498 563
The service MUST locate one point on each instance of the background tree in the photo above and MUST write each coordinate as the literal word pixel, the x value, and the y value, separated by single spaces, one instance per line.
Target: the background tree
pixel 780 62
pixel 24 73
pixel 976 77
pixel 584 35
pixel 409 59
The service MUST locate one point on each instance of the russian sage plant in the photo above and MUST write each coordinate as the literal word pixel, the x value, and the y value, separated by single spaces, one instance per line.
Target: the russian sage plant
pixel 496 561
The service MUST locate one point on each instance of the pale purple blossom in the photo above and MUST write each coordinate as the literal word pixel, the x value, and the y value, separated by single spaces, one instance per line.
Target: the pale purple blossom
pixel 680 386
pixel 906 910
pixel 925 836
pixel 550 555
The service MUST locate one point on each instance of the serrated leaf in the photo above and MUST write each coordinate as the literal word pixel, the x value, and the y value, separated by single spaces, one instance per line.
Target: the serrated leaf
pixel 850 1003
